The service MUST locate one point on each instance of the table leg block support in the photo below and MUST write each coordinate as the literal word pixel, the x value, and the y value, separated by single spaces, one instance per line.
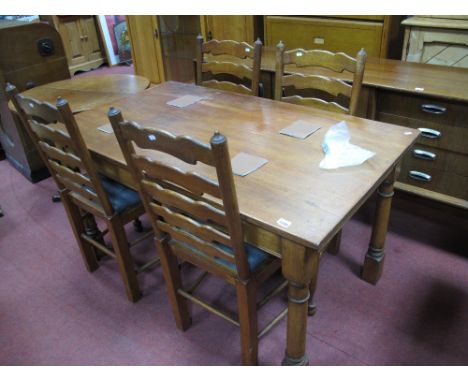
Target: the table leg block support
pixel 373 266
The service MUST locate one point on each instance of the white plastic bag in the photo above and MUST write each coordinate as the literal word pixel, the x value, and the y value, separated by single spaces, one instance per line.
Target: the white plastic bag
pixel 339 152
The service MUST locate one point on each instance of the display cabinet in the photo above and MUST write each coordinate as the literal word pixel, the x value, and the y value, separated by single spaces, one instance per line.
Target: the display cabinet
pixel 81 40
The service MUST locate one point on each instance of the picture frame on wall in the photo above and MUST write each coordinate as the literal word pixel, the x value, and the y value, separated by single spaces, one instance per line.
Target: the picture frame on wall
pixel 115 38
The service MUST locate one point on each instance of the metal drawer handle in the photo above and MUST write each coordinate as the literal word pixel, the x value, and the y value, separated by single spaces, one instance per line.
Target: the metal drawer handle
pixel 429 133
pixel 421 176
pixel 433 109
pixel 423 154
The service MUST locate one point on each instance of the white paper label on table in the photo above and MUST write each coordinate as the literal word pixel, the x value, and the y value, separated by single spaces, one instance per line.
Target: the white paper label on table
pixel 300 129
pixel 243 163
pixel 283 222
pixel 107 128
pixel 184 101
pixel 339 152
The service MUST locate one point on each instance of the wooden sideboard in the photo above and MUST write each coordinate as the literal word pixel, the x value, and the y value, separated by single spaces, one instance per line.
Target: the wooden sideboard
pixel 380 36
pixel 35 57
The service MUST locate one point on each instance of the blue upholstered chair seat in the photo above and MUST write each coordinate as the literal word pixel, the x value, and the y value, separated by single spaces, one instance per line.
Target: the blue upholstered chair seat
pixel 255 257
pixel 120 196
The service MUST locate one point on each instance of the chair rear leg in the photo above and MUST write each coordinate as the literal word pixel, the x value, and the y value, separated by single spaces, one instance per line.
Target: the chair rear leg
pixel 247 308
pixel 124 258
pixel 172 276
pixel 74 217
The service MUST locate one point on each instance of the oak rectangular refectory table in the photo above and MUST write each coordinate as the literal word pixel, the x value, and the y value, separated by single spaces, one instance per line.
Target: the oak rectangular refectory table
pixel 290 188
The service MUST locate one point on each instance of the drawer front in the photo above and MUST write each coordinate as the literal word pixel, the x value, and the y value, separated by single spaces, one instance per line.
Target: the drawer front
pixel 429 159
pixel 423 108
pixel 446 137
pixel 314 33
pixel 424 175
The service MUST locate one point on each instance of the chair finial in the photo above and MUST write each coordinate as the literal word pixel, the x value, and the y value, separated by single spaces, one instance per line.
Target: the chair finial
pixel 61 101
pixel 9 87
pixel 217 138
pixel 113 111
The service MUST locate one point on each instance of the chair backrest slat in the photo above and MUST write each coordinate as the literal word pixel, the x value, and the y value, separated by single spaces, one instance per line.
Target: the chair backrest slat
pixel 329 85
pixel 202 210
pixel 175 200
pixel 182 147
pixel 239 70
pixel 228 86
pixel 71 185
pixel 243 65
pixel 316 102
pixel 187 224
pixel 64 152
pixel 65 158
pixel 189 180
pixel 40 110
pixel 74 176
pixel 337 89
pixel 338 62
pixel 184 237
pixel 230 47
pixel 60 139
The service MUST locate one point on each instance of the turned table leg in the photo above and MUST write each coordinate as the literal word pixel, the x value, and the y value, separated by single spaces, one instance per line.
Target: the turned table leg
pixel 374 260
pixel 298 265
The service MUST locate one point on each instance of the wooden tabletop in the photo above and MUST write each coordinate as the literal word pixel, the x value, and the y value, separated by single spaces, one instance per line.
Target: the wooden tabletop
pixel 291 185
pixel 435 80
pixel 84 93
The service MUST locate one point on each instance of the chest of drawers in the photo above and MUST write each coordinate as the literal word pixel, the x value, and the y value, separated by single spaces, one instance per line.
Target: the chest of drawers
pixel 438 162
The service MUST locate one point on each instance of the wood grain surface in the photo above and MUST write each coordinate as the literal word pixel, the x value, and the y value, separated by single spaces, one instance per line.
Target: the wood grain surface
pixel 291 186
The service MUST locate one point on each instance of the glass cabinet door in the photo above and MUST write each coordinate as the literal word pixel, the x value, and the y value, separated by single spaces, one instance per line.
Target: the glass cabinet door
pixel 178 36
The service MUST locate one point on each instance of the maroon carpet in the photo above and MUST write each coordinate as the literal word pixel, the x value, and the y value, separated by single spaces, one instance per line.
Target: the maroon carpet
pixel 52 312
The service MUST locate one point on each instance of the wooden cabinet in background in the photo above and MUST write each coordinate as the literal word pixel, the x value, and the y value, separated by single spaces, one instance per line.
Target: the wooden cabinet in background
pixel 437 40
pixel 81 40
pixel 379 35
pixel 35 57
pixel 164 47
pixel 237 28
pixel 146 48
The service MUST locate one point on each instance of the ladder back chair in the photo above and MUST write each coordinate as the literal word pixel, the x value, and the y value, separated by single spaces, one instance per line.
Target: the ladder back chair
pixel 85 193
pixel 196 219
pixel 334 88
pixel 245 69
